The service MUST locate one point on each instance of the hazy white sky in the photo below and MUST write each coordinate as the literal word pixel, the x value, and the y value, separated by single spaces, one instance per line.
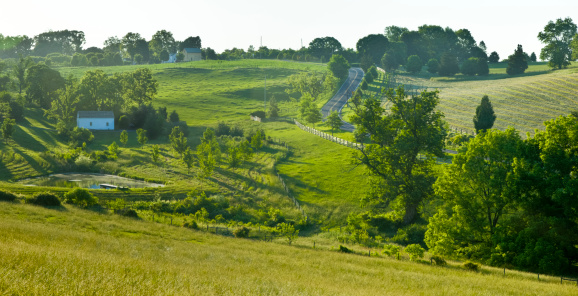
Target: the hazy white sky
pixel 223 24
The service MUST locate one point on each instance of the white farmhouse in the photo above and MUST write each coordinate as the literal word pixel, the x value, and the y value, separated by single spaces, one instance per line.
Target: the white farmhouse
pixel 95 120
pixel 192 54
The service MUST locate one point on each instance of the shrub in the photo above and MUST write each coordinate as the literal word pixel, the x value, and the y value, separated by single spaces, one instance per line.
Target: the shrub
pixel 241 232
pixel 80 197
pixel 439 260
pixel 80 135
pixel 343 249
pixel 260 114
pixel 433 66
pixel 471 266
pixel 45 199
pixel 83 163
pixel 7 196
pixel 190 225
pixel 391 250
pixel 222 129
pixel 414 251
pixel 127 213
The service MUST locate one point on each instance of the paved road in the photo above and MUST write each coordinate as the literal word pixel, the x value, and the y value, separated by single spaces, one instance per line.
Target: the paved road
pixel 343 94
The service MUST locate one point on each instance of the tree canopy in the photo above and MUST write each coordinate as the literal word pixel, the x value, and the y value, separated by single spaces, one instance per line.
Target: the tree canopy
pixel 517 63
pixel 557 37
pixel 485 116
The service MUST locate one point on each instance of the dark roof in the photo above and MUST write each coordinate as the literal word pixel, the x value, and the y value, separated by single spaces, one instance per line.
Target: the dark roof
pixel 193 50
pixel 95 114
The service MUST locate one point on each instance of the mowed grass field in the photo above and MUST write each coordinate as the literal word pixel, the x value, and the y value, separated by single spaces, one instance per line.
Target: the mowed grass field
pixel 523 102
pixel 69 251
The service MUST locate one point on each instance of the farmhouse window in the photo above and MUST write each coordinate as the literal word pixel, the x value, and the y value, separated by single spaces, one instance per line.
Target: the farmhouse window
pixel 107 123
pixel 91 123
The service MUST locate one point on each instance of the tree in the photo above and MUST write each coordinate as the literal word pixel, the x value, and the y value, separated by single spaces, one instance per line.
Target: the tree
pixel 113 150
pixel 394 33
pixel 448 65
pixel 8 128
pixel 433 66
pixel 364 85
pixel 64 107
pixel 288 231
pixel 401 178
pixel 174 117
pixel 42 83
pixel 188 158
pixel 470 66
pixel 485 116
pixel 164 40
pixel 557 36
pixel 414 64
pixel 339 66
pixel 517 63
pixel 476 189
pixel 206 160
pixel 191 42
pixel 112 44
pixel 372 46
pixel 324 47
pixel 273 111
pixel 257 140
pixel 124 137
pixel 389 62
pixel 155 153
pixel 178 140
pixel 308 110
pixel 19 71
pixel 139 87
pixel 494 57
pixel 210 139
pixel 130 44
pixel 141 136
pixel 533 57
pixel 334 121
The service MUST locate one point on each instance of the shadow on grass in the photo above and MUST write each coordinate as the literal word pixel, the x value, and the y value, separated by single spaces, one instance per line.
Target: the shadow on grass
pixel 462 78
pixel 24 139
pixel 31 161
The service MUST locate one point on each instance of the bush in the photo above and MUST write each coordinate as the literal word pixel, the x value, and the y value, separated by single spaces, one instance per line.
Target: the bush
pixel 84 163
pixel 222 129
pixel 391 250
pixel 130 213
pixel 260 114
pixel 45 199
pixel 190 225
pixel 7 196
pixel 80 135
pixel 471 266
pixel 414 251
pixel 343 249
pixel 433 66
pixel 413 64
pixel 80 197
pixel 439 260
pixel 242 232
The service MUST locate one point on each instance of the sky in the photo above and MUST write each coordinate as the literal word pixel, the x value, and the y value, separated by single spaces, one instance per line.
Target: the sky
pixel 224 24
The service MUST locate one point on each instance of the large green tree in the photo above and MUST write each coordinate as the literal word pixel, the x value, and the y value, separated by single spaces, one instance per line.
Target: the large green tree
pixel 517 63
pixel 43 84
pixel 308 110
pixel 557 37
pixel 334 121
pixel 372 46
pixel 64 107
pixel 477 193
pixel 339 66
pixel 324 47
pixel 19 71
pixel 404 142
pixel 485 116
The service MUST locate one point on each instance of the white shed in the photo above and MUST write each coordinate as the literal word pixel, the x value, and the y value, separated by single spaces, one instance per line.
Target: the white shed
pixel 95 120
pixel 192 54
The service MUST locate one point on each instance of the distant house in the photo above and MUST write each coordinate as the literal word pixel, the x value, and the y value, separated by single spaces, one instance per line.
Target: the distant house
pixel 172 58
pixel 95 120
pixel 192 54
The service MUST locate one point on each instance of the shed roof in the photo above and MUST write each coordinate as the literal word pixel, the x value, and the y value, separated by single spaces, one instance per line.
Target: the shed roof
pixel 95 114
pixel 193 50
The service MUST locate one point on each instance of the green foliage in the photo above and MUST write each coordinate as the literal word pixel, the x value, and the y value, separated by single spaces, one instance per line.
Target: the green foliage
pixel 344 249
pixel 517 63
pixel 113 150
pixel 188 159
pixel 241 232
pixel 124 137
pixel 273 111
pixel 368 77
pixel 396 139
pixel 261 114
pixel 373 47
pixel 80 197
pixel 155 153
pixel 433 66
pixel 339 66
pixel 448 65
pixel 7 129
pixel 257 140
pixel 334 121
pixel 471 266
pixel 83 163
pixel 557 37
pixel 470 67
pixel 414 251
pixel 288 231
pixel 174 117
pixel 308 110
pixel 178 140
pixel 141 136
pixel 191 225
pixel 311 83
pixel 364 85
pixel 7 196
pixel 411 234
pixel 391 250
pixel 439 260
pixel 494 57
pixel 389 62
pixel 414 64
pixel 485 117
pixel 80 135
pixel 45 199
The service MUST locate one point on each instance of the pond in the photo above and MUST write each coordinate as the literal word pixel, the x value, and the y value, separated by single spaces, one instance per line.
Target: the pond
pixel 83 180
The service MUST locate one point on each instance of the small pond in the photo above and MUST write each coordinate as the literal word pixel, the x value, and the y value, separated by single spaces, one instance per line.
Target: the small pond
pixel 84 180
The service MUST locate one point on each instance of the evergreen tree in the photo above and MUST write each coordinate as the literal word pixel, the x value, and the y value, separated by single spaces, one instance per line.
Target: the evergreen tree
pixel 414 64
pixel 485 116
pixel 273 108
pixel 448 65
pixel 433 65
pixel 517 63
pixel 494 57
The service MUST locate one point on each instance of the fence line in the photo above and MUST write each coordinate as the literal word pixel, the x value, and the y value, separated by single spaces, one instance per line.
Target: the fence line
pixel 462 131
pixel 327 136
pixel 295 201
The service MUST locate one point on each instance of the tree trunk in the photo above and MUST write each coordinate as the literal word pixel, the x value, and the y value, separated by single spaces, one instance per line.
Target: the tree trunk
pixel 410 214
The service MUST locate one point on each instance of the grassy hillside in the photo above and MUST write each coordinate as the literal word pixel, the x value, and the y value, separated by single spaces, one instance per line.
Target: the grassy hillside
pixel 70 251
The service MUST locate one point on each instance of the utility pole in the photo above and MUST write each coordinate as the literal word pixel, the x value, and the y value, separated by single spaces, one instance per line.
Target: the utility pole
pixel 265 97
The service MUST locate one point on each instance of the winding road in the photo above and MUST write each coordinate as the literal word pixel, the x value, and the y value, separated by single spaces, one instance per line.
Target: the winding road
pixel 343 94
